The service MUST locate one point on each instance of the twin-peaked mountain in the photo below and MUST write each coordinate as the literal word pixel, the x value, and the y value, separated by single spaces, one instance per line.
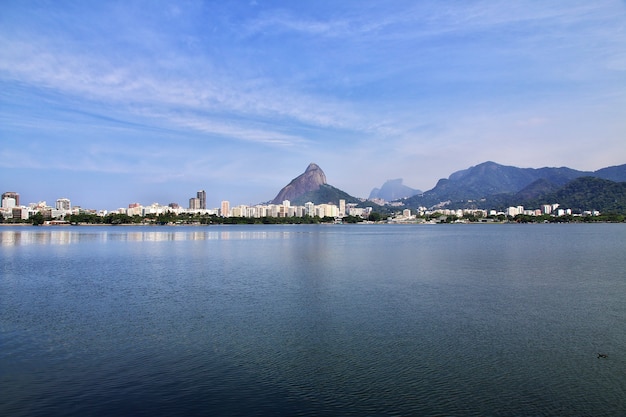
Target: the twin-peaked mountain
pixel 312 186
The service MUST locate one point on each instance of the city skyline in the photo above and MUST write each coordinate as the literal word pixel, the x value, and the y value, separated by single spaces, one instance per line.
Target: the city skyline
pixel 108 104
pixel 11 209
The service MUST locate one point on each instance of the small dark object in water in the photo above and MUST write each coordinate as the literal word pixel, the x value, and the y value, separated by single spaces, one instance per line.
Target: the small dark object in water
pixel 602 356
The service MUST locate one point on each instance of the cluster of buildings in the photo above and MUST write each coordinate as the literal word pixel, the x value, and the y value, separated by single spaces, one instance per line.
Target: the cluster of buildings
pixel 197 205
pixel 546 209
pixel 11 209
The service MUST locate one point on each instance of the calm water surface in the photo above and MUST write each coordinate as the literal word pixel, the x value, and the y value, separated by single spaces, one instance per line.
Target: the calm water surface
pixel 459 320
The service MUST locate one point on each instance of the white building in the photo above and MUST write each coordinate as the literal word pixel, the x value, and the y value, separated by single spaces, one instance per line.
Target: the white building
pixel 63 204
pixel 8 202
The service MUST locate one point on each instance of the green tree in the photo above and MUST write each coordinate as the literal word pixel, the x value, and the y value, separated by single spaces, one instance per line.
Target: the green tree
pixel 37 219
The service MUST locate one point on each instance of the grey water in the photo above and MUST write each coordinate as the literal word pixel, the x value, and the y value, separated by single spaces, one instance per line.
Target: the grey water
pixel 425 320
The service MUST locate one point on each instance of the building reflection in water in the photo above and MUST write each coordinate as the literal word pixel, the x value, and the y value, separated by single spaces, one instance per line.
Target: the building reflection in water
pixel 65 235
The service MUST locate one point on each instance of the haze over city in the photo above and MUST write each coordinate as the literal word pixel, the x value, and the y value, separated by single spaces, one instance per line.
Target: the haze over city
pixel 141 101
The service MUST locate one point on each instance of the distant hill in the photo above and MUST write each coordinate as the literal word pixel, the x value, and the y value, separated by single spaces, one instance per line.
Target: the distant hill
pixel 614 173
pixel 324 194
pixel 311 186
pixel 393 190
pixel 490 181
pixel 586 193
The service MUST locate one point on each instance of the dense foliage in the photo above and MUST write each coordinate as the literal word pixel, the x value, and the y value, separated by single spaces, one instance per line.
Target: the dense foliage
pixel 325 194
pixel 187 218
pixel 592 193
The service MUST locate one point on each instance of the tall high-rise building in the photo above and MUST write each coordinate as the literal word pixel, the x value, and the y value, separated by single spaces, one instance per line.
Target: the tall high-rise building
pixel 12 194
pixel 225 209
pixel 202 197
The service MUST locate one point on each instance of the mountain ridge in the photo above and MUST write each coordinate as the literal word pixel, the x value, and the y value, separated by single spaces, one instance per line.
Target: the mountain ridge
pixel 490 179
pixel 488 185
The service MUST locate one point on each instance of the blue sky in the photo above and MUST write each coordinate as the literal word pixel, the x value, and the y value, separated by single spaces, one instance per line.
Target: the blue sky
pixel 114 102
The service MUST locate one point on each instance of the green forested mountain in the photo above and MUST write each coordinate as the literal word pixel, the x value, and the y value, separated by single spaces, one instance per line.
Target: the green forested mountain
pixel 488 179
pixel 587 193
pixel 324 194
pixel 491 185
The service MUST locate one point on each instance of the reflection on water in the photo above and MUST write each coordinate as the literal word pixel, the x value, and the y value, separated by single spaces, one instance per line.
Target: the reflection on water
pixel 308 320
pixel 72 235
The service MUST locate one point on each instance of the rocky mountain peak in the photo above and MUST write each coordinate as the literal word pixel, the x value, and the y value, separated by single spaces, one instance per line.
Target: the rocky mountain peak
pixel 311 180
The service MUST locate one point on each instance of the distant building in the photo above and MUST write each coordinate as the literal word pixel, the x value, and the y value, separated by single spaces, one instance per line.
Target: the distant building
pixel 512 211
pixel 63 204
pixel 201 195
pixel 19 213
pixel 10 199
pixel 225 209
pixel 194 203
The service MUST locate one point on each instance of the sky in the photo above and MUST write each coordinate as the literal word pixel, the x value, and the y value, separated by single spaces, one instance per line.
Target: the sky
pixel 115 102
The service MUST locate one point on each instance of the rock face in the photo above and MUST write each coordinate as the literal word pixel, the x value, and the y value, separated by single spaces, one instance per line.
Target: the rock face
pixel 393 190
pixel 311 180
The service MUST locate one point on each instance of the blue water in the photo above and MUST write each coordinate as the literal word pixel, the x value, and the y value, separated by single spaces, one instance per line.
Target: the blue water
pixel 426 320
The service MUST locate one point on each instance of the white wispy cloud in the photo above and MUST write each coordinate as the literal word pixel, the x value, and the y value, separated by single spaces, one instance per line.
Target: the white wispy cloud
pixel 93 78
pixel 236 130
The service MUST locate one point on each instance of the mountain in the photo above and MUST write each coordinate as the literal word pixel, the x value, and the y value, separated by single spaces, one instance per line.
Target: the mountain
pixel 312 186
pixel 325 194
pixel 489 179
pixel 537 189
pixel 499 183
pixel 586 193
pixel 309 181
pixel 614 173
pixel 393 190
pixel 487 185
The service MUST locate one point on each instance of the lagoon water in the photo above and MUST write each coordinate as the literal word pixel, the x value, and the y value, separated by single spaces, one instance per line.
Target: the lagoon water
pixel 429 320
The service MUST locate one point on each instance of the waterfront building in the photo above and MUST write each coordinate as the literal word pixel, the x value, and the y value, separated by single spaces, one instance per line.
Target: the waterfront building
pixel 225 209
pixel 19 213
pixel 309 209
pixel 8 203
pixel 512 211
pixel 134 209
pixel 63 204
pixel 11 195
